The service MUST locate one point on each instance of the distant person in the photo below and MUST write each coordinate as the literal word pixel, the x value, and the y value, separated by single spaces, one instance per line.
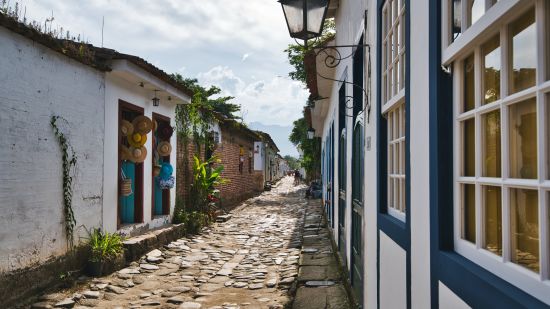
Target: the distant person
pixel 297 177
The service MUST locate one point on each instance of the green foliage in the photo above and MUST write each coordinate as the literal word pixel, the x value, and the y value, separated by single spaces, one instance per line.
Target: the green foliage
pixel 194 221
pixel 296 53
pixel 205 179
pixel 311 148
pixel 292 162
pixel 208 98
pixel 69 159
pixel 104 246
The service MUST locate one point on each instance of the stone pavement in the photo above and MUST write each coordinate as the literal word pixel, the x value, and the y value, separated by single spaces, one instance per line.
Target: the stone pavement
pixel 319 278
pixel 250 261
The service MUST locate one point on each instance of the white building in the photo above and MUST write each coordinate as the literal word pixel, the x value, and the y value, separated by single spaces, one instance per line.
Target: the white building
pixel 436 151
pixel 91 91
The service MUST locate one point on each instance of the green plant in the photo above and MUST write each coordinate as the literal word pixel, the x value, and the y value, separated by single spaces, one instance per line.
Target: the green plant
pixel 205 180
pixel 69 159
pixel 104 246
pixel 194 221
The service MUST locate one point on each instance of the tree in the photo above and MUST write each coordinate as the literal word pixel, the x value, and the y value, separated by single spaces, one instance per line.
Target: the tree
pixel 292 162
pixel 296 52
pixel 311 148
pixel 205 97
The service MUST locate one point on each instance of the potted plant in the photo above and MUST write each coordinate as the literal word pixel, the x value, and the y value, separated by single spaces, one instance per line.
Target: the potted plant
pixel 105 248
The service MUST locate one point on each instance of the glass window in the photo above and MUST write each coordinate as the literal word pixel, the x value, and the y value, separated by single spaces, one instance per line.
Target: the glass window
pixel 469 84
pixel 396 159
pixel 492 219
pixel 469 169
pixel 524 224
pixel 523 52
pixel 491 70
pixel 491 144
pixel 457 19
pixel 523 139
pixel 393 42
pixel 476 9
pixel 469 213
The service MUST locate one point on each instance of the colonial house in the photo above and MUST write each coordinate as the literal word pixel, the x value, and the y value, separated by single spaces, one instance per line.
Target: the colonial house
pixel 115 113
pixel 265 154
pixel 435 132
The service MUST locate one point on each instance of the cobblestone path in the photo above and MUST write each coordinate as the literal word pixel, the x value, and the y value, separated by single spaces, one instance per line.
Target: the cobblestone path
pixel 250 261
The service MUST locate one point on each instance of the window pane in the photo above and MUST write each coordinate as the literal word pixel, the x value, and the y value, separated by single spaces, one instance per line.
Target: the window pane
pixel 523 139
pixel 469 213
pixel 457 19
pixel 491 144
pixel 469 83
pixel 493 219
pixel 491 75
pixel 547 118
pixel 469 168
pixel 524 226
pixel 476 10
pixel 524 52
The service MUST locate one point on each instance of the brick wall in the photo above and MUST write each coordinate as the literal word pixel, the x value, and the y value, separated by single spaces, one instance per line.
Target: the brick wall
pixel 240 185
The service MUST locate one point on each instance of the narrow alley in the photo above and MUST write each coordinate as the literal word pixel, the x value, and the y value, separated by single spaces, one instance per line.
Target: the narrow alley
pixel 250 261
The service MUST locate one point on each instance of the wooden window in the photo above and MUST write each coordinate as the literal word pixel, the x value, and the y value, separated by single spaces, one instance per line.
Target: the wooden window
pixel 393 104
pixel 502 140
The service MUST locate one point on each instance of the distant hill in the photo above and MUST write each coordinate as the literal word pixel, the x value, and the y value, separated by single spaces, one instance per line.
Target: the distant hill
pixel 279 134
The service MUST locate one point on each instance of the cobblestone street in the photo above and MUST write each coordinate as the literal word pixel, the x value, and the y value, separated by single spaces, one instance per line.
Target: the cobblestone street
pixel 250 261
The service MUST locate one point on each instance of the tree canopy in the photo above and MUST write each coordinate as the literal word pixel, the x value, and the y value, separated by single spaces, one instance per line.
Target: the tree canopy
pixel 206 97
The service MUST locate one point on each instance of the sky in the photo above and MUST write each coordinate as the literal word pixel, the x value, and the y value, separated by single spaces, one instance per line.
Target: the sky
pixel 234 44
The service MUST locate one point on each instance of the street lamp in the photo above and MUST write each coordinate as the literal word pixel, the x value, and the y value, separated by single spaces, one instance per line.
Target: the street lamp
pixel 156 101
pixel 305 18
pixel 310 133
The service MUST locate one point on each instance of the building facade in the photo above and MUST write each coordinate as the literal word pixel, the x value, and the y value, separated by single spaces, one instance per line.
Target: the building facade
pixel 90 92
pixel 435 151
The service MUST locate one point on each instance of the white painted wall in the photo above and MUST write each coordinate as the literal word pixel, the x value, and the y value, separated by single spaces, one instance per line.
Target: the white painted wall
pixel 393 278
pixel 449 300
pixel 419 156
pixel 259 152
pixel 35 84
pixel 117 89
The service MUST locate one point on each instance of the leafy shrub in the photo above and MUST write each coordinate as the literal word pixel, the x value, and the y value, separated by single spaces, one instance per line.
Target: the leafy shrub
pixel 104 246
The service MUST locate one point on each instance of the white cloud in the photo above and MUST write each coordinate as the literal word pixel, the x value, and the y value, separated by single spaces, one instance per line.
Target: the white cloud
pixel 275 101
pixel 215 37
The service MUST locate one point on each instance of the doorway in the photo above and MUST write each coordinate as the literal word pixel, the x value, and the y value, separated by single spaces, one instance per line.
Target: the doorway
pixel 130 207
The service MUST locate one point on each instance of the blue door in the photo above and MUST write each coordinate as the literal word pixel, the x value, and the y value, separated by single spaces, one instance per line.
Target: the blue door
pixel 127 203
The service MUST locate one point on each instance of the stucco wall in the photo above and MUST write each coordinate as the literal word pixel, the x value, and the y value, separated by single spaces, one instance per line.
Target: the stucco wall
pixel 119 89
pixel 35 84
pixel 393 280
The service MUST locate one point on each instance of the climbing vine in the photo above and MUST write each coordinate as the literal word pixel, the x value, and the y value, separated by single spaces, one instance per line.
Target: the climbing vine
pixel 69 158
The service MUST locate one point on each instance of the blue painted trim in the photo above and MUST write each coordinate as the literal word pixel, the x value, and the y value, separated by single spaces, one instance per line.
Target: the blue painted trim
pixel 475 285
pixel 380 161
pixel 480 288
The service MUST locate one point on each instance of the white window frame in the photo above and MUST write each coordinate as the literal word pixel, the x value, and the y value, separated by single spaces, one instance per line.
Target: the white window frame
pixel 393 100
pixel 470 41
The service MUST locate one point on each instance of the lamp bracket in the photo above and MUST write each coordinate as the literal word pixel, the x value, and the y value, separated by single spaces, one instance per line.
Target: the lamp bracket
pixel 333 58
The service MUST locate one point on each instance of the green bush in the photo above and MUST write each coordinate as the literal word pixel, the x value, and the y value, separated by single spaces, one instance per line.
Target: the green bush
pixel 194 221
pixel 104 246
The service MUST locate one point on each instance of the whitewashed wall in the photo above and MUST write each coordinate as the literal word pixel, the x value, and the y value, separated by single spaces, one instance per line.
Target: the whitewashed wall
pixel 118 89
pixel 393 275
pixel 35 84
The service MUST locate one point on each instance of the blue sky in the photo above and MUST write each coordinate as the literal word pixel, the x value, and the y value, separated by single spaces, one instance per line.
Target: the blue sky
pixel 235 44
